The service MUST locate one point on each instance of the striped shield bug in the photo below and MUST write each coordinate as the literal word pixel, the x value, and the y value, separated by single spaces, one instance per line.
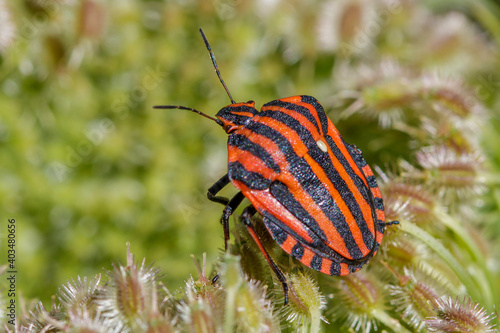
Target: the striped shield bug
pixel 318 197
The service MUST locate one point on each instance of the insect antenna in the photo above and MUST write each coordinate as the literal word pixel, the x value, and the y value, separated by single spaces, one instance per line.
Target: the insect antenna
pixel 212 56
pixel 187 108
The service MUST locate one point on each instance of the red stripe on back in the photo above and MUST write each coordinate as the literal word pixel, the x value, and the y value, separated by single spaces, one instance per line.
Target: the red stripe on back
pixel 344 269
pixel 335 135
pixel 307 257
pixel 263 201
pixel 367 171
pixel 376 192
pixel 318 170
pixel 336 241
pixel 380 215
pixel 243 113
pixel 349 218
pixel 250 162
pixel 237 105
pixel 298 101
pixel 366 209
pixel 326 265
pixel 269 145
pixel 297 116
pixel 380 236
pixel 288 244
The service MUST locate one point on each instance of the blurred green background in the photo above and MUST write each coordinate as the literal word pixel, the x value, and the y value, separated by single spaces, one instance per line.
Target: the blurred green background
pixel 87 165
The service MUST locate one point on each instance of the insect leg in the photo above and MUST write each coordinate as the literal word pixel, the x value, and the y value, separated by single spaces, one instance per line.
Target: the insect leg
pixel 246 217
pixel 215 188
pixel 227 212
pixel 390 223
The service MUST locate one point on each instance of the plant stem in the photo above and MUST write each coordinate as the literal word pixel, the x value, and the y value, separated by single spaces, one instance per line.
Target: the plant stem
pixel 388 321
pixel 482 276
pixel 443 252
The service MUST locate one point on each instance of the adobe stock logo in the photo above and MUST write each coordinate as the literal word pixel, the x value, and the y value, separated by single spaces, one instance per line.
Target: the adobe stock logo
pixel 98 130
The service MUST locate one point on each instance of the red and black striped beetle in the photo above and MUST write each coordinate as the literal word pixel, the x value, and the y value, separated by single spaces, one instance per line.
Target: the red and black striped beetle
pixel 317 195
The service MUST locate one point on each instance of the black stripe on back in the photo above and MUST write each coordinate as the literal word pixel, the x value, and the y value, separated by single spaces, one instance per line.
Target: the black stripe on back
pixel 297 251
pixel 323 197
pixel 349 199
pixel 316 262
pixel 238 109
pixel 280 230
pixel 252 180
pixel 243 143
pixel 372 182
pixel 279 235
pixel 281 192
pixel 356 154
pixel 378 203
pixel 319 110
pixel 380 227
pixel 310 183
pixel 316 189
pixel 294 107
pixel 335 269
